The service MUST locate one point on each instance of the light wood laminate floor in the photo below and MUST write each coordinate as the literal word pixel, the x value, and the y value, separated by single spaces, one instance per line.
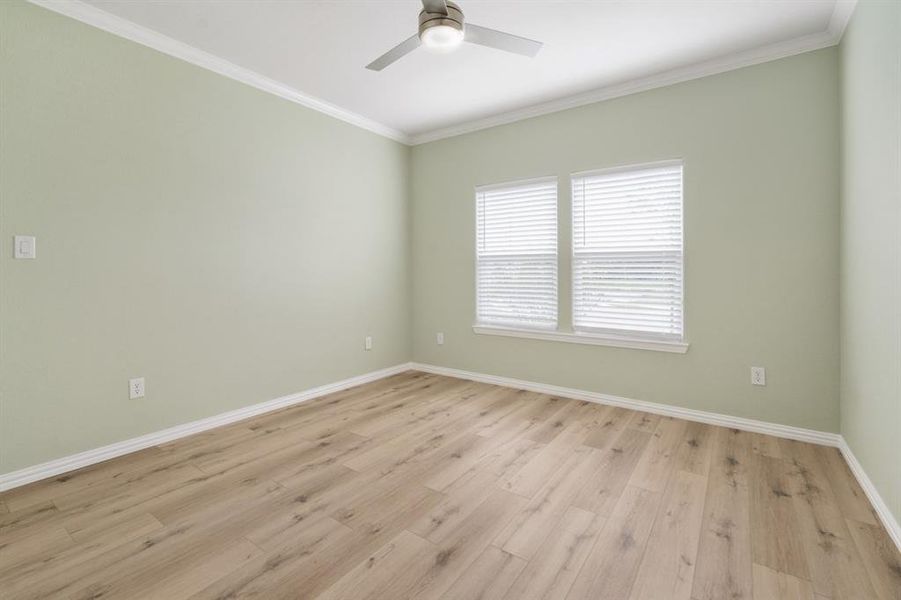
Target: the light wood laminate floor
pixel 421 486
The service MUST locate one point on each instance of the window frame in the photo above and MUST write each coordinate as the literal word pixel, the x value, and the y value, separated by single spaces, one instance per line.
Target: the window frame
pixel 633 337
pixel 501 185
pixel 593 337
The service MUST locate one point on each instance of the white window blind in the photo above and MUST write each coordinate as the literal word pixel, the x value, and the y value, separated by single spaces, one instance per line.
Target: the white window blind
pixel 627 251
pixel 516 254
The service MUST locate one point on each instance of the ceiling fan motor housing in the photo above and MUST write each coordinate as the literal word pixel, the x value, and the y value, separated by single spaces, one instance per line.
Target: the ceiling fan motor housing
pixel 442 29
pixel 453 18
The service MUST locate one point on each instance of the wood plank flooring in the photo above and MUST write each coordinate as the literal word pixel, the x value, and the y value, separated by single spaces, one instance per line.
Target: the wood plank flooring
pixel 422 486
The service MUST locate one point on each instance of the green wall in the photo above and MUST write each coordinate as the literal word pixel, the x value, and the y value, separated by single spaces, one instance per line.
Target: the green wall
pixel 871 244
pixel 760 147
pixel 233 247
pixel 228 245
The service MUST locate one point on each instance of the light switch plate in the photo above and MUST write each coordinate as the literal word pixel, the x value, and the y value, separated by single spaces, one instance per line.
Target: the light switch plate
pixel 24 246
pixel 439 338
pixel 367 343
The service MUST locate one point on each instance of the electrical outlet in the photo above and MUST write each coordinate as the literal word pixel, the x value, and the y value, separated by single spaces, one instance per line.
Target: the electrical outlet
pixel 136 388
pixel 439 338
pixel 758 376
pixel 367 343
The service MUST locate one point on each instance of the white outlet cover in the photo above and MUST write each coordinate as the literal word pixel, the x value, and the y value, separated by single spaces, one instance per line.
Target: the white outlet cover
pixel 758 376
pixel 439 338
pixel 136 388
pixel 367 343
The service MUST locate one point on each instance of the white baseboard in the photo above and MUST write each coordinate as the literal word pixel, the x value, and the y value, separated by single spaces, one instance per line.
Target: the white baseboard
pixel 882 510
pixel 793 433
pixel 90 457
pixel 784 431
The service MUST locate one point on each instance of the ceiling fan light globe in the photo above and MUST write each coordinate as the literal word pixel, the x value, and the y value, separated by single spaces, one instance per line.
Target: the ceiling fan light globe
pixel 441 38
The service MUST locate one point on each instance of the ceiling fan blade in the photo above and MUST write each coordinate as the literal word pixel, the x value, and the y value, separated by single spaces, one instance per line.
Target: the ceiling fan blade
pixel 502 41
pixel 435 6
pixel 402 49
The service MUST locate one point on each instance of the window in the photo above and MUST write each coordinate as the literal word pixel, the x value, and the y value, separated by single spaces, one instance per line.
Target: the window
pixel 627 252
pixel 516 254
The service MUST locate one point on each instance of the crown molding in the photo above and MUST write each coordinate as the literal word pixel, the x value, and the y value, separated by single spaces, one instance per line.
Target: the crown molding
pixel 95 17
pixel 91 15
pixel 715 66
pixel 841 16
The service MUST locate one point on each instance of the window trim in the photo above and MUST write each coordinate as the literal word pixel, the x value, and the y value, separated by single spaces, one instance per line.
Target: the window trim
pixel 591 339
pixel 586 337
pixel 475 246
pixel 633 339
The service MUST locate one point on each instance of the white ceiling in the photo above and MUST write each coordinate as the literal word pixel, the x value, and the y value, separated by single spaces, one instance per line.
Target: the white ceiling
pixel 319 48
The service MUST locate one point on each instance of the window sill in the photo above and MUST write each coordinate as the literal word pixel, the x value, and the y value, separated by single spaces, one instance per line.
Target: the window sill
pixel 592 339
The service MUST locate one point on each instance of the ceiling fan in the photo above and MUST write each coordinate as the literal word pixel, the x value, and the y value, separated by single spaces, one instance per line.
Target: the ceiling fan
pixel 442 29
